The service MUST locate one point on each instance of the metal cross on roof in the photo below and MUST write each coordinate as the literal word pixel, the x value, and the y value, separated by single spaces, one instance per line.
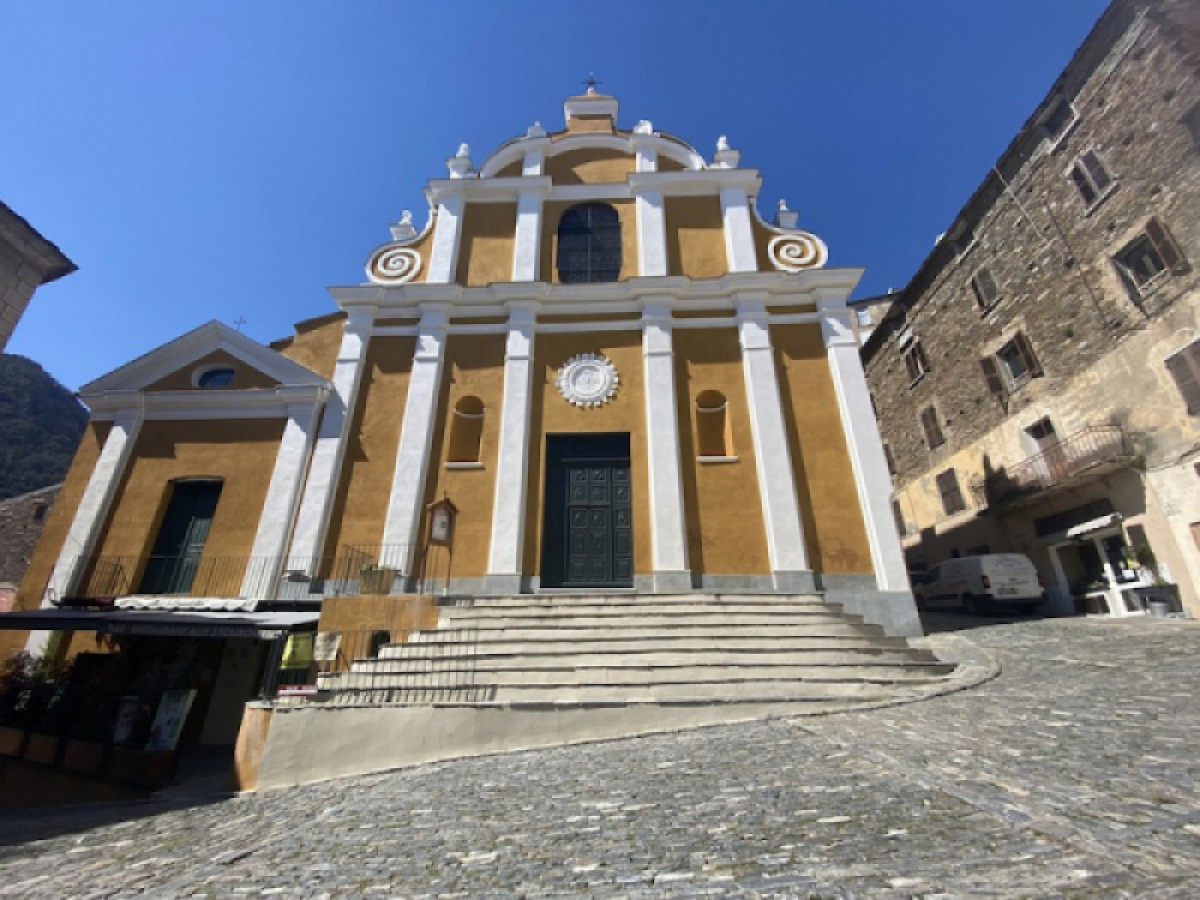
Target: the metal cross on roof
pixel 239 322
pixel 591 81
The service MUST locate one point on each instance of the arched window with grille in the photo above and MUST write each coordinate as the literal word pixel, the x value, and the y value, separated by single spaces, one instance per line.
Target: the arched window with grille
pixel 589 244
pixel 712 426
pixel 466 431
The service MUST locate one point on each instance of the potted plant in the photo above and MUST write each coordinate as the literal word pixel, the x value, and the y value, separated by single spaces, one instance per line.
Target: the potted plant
pixel 15 680
pixel 42 718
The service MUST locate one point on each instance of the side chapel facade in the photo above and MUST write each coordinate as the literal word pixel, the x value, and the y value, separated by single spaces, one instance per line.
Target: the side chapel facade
pixel 618 373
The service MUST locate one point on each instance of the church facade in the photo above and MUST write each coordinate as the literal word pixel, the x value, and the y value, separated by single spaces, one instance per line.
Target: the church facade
pixel 620 376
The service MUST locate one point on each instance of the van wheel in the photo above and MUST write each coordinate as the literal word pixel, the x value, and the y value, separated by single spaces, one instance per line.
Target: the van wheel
pixel 973 605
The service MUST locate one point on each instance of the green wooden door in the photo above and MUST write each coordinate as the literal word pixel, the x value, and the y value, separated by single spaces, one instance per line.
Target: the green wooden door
pixel 175 559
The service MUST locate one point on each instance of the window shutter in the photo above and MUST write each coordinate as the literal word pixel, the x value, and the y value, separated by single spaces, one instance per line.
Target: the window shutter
pixel 1095 169
pixel 1028 356
pixel 991 374
pixel 1185 379
pixel 1167 249
pixel 933 431
pixel 1082 184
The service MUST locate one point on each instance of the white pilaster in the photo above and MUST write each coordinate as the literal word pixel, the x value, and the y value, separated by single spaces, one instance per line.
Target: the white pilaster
pixel 91 513
pixel 776 480
pixel 863 441
pixel 443 257
pixel 324 471
pixel 527 249
pixel 512 465
pixel 739 230
pixel 645 151
pixel 668 520
pixel 283 494
pixel 652 233
pixel 416 440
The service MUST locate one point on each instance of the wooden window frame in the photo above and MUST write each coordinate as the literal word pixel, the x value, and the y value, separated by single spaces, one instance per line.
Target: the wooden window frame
pixel 980 283
pixel 950 492
pixel 1184 368
pixel 1158 238
pixel 1087 171
pixel 1001 381
pixel 916 363
pixel 931 426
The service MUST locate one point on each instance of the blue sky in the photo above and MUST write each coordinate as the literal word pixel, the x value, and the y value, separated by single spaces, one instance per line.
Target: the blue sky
pixel 228 159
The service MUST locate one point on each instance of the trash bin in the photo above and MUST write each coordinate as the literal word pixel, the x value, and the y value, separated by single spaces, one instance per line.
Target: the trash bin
pixel 1159 608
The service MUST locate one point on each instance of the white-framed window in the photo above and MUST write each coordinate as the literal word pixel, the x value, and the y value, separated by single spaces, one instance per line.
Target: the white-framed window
pixel 983 286
pixel 1092 177
pixel 951 493
pixel 1184 367
pixel 214 377
pixel 1149 259
pixel 915 361
pixel 1011 367
pixel 932 426
pixel 1060 118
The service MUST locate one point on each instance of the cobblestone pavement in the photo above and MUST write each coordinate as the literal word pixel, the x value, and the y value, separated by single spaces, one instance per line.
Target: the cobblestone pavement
pixel 1072 774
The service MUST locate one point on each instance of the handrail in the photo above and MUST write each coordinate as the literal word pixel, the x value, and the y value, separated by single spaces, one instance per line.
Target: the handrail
pixel 1055 463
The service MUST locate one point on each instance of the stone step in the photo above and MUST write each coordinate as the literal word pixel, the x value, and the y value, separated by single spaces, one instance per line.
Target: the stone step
pixel 658 642
pixel 568 632
pixel 693 692
pixel 571 601
pixel 649 618
pixel 393 676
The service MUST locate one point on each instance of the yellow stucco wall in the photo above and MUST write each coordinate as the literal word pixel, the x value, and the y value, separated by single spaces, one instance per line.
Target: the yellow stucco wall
pixel 695 237
pixel 58 523
pixel 488 237
pixel 315 344
pixel 553 212
pixel 726 535
pixel 583 124
pixel 360 503
pixel 592 165
pixel 244 376
pixel 551 414
pixel 473 367
pixel 833 521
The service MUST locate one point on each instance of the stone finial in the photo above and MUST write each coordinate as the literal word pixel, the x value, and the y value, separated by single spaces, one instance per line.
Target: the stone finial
pixel 725 157
pixel 784 217
pixel 460 165
pixel 536 131
pixel 643 127
pixel 404 230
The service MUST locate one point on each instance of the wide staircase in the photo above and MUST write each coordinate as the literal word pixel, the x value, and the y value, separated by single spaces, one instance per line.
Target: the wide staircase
pixel 625 650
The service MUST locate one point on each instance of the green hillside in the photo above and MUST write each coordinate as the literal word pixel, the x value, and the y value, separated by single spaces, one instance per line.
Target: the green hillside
pixel 40 426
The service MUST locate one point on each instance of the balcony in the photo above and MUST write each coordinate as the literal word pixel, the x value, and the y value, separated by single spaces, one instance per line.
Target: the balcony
pixel 232 582
pixel 1090 453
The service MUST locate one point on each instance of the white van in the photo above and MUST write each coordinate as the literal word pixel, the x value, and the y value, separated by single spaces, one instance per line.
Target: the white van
pixel 979 581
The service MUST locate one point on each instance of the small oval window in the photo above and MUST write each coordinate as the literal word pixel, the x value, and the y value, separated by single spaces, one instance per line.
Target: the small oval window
pixel 215 378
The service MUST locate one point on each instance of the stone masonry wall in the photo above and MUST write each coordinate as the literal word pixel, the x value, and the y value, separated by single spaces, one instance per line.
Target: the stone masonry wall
pixel 21 522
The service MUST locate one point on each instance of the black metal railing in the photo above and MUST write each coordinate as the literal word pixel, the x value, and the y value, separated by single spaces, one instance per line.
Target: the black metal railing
pixel 1055 464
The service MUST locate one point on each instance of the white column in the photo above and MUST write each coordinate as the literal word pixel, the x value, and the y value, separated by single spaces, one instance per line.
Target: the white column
pixel 527 249
pixel 864 444
pixel 416 439
pixel 324 471
pixel 668 520
pixel 283 493
pixel 776 480
pixel 739 231
pixel 512 466
pixel 652 233
pixel 443 257
pixel 91 514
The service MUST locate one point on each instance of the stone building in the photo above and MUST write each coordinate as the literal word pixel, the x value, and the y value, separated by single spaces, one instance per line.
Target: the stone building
pixel 21 521
pixel 621 377
pixel 1038 381
pixel 27 261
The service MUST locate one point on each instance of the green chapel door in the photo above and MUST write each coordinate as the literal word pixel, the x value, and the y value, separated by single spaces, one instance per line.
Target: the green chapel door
pixel 175 559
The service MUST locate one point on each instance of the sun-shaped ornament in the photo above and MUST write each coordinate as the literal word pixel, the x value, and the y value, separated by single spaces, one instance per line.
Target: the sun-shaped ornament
pixel 588 379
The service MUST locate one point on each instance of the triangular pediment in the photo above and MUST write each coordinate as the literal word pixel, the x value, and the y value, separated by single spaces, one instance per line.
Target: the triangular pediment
pixel 176 366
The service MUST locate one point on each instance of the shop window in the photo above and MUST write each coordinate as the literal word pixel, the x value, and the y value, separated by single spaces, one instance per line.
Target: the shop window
pixel 932 428
pixel 1092 178
pixel 1149 259
pixel 951 493
pixel 589 244
pixel 466 431
pixel 983 285
pixel 713 439
pixel 1184 367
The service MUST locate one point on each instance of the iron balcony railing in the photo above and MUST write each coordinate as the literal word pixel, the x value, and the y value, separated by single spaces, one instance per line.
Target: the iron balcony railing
pixel 100 580
pixel 1056 464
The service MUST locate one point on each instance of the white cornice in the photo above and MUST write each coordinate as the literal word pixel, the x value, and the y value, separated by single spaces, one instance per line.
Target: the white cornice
pixel 687 184
pixel 201 404
pixel 193 346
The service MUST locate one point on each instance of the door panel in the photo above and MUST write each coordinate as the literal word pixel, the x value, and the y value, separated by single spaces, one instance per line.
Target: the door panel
pixel 175 559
